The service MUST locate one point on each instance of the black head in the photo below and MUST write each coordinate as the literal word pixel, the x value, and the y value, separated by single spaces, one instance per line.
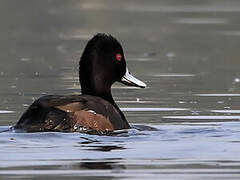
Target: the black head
pixel 102 63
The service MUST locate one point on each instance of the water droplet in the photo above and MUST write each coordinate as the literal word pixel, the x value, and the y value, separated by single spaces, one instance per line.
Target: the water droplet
pixel 193 102
pixel 237 80
pixel 195 113
pixel 171 54
pixel 227 107
pixel 25 59
pixel 181 102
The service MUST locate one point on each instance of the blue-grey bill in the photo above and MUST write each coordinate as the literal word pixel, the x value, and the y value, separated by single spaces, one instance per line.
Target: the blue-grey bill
pixel 130 80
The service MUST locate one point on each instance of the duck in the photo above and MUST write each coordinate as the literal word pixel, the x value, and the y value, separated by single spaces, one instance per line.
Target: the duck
pixel 94 110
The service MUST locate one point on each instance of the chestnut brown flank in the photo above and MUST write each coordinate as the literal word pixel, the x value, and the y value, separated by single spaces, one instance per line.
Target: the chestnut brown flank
pixel 87 118
pixel 92 121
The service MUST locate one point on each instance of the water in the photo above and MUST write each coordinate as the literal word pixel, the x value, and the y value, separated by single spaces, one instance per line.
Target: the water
pixel 208 150
pixel 185 123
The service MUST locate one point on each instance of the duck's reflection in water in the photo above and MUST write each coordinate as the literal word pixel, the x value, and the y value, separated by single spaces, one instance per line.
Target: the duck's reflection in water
pixel 95 145
pixel 101 165
pixel 105 148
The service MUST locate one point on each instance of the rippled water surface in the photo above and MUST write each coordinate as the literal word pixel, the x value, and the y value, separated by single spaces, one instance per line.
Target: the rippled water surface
pixel 185 123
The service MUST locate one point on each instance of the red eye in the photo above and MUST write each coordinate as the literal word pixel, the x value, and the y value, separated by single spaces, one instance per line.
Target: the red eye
pixel 119 57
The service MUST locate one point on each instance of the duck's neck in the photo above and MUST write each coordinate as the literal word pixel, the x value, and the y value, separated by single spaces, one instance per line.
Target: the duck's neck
pixel 94 89
pixel 105 93
pixel 97 87
pixel 106 96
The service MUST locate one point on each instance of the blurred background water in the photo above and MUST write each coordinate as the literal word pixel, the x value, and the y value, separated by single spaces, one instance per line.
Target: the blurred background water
pixel 186 51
